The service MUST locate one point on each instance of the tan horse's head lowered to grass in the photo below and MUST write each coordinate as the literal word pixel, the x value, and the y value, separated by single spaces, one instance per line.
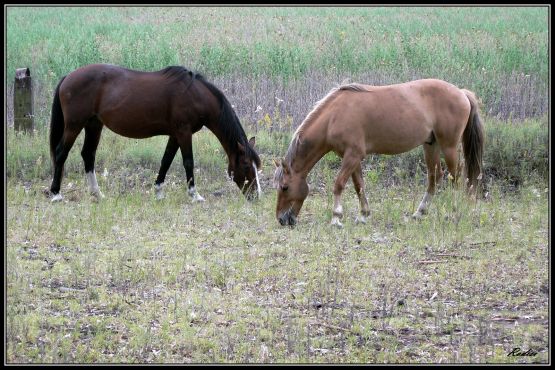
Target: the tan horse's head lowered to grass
pixel 355 120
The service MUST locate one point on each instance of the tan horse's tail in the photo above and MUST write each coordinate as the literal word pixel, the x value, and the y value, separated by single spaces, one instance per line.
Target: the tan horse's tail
pixel 473 143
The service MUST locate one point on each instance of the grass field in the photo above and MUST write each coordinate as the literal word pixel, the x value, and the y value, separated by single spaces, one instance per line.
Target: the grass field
pixel 132 279
pixel 257 52
pixel 135 280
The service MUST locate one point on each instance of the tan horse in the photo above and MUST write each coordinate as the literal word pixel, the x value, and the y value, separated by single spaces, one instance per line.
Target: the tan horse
pixel 355 120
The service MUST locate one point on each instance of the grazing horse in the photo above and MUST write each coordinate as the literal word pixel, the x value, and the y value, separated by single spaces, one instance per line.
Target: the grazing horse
pixel 174 102
pixel 355 120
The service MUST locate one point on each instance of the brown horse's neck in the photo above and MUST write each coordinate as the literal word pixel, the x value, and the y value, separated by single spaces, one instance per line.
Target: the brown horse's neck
pixel 218 132
pixel 221 119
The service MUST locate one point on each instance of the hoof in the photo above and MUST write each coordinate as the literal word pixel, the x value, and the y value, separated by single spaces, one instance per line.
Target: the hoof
pixel 335 222
pixel 97 194
pixel 197 198
pixel 57 198
pixel 158 188
pixel 417 215
pixel 360 220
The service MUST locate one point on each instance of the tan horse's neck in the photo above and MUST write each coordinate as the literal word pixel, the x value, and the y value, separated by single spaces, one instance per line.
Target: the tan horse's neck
pixel 309 145
pixel 309 150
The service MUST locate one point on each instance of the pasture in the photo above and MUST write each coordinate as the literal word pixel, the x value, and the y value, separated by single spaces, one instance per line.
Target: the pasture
pixel 135 280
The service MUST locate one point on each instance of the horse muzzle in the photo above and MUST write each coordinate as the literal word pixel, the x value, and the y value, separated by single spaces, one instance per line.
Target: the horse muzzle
pixel 287 218
pixel 251 194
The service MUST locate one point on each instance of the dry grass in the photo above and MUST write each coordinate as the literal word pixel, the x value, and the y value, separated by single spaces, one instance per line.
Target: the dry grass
pixel 134 280
pixel 131 279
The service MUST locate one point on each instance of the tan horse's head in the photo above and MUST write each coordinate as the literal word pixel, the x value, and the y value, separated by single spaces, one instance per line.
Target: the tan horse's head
pixel 292 190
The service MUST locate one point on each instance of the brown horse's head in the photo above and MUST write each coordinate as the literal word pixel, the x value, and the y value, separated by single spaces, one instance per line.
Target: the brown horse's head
pixel 244 170
pixel 292 191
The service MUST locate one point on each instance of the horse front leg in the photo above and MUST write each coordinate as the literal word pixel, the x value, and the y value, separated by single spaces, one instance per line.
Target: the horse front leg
pixel 167 159
pixel 348 165
pixel 186 144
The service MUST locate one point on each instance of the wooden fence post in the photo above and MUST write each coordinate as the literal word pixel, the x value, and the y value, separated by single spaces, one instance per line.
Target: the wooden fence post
pixel 23 101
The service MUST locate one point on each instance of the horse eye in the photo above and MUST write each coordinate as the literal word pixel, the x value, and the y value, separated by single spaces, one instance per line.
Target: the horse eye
pixel 285 187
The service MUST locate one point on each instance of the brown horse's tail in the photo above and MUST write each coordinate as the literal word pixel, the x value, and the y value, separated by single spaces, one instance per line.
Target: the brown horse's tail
pixel 56 123
pixel 473 143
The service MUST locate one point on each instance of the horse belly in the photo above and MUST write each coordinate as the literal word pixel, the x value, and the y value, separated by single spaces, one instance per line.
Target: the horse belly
pixel 395 138
pixel 135 119
pixel 133 126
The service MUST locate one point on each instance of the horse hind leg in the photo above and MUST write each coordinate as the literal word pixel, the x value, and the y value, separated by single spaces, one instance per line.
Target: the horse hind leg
pixel 60 156
pixel 358 182
pixel 93 130
pixel 167 159
pixel 433 164
pixel 452 160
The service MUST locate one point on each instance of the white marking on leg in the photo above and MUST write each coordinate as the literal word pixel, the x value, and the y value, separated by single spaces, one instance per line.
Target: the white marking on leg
pixel 57 198
pixel 196 197
pixel 258 189
pixel 360 219
pixel 335 222
pixel 93 185
pixel 422 208
pixel 338 210
pixel 337 214
pixel 159 189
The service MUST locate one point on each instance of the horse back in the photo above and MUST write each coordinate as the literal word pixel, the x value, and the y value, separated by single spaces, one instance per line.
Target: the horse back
pixel 131 103
pixel 396 118
pixel 107 84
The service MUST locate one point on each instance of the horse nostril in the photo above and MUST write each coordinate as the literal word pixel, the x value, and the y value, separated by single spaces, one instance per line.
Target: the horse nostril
pixel 292 220
pixel 282 221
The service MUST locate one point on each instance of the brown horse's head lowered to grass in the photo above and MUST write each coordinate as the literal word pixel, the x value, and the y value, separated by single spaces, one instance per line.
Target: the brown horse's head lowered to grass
pixel 355 120
pixel 174 101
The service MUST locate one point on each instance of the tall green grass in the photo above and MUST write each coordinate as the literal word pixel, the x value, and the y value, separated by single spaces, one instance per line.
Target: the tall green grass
pixel 295 53
pixel 481 47
pixel 514 153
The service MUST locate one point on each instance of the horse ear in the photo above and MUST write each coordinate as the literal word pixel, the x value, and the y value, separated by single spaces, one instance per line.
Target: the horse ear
pixel 276 162
pixel 241 148
pixel 252 141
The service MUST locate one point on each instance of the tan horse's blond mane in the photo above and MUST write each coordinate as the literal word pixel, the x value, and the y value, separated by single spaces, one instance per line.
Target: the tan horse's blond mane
pixel 320 104
pixel 311 117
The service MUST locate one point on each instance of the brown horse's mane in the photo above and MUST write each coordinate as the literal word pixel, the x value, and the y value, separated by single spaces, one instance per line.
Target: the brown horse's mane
pixel 179 73
pixel 296 141
pixel 230 124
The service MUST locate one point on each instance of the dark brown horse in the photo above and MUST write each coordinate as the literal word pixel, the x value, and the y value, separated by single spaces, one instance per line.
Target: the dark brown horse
pixel 174 102
pixel 355 120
